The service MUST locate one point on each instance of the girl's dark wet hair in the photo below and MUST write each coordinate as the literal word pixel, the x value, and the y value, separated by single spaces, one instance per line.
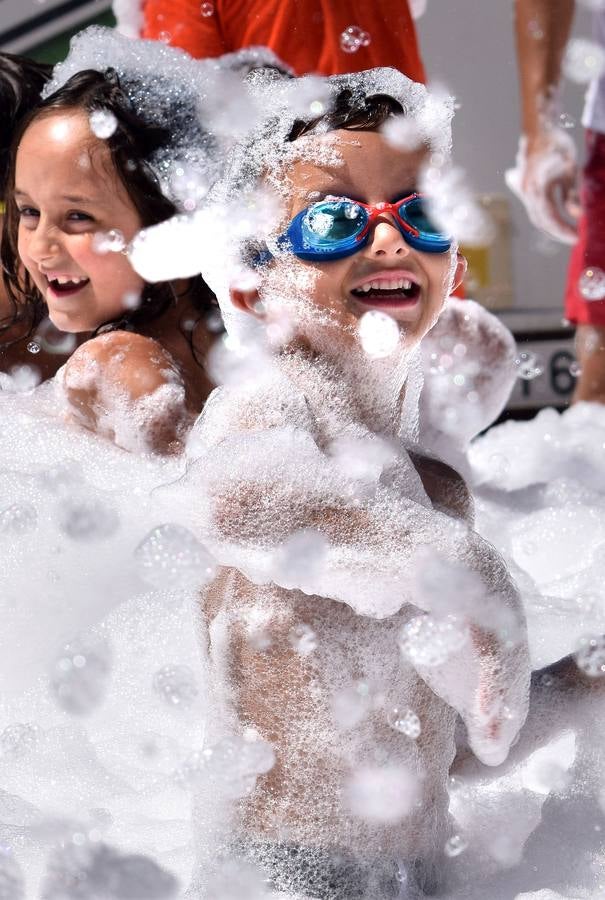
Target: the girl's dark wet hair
pixel 131 146
pixel 21 83
pixel 352 113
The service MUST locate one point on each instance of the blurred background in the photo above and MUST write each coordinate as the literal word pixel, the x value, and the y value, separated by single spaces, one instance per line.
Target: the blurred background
pixel 468 47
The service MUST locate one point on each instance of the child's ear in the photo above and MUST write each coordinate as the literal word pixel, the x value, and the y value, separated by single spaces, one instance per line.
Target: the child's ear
pixel 246 300
pixel 461 267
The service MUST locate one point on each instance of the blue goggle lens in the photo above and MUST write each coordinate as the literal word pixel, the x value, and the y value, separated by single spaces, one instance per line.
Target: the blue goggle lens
pixel 331 229
pixel 414 213
pixel 334 222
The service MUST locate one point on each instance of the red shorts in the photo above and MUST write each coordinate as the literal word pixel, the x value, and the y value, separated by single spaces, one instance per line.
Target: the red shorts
pixel 589 252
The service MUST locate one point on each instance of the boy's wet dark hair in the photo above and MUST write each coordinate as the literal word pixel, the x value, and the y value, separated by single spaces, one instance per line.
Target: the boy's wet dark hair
pixel 350 112
pixel 21 83
pixel 131 146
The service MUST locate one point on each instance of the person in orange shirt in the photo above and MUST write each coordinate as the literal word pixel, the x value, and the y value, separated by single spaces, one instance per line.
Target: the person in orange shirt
pixel 327 37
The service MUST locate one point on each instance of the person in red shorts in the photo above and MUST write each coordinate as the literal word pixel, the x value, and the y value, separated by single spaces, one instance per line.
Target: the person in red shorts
pixel 327 37
pixel 546 175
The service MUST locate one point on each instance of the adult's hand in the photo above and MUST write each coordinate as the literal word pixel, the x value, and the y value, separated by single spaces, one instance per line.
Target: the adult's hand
pixel 545 179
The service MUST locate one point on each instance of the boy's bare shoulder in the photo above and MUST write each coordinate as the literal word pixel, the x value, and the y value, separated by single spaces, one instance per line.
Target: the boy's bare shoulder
pixel 446 488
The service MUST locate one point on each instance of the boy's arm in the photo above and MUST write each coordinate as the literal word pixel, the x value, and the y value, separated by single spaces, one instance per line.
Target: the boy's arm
pixel 486 679
pixel 468 363
pixel 281 510
pixel 546 171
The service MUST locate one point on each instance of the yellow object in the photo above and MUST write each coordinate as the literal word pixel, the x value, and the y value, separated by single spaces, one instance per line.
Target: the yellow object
pixel 489 276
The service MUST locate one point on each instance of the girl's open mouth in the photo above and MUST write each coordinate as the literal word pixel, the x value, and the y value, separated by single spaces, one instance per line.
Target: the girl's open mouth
pixel 65 287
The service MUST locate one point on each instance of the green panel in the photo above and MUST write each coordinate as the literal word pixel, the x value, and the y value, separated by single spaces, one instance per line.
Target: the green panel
pixel 55 50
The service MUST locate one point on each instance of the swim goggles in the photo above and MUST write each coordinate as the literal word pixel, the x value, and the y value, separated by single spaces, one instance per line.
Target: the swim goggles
pixel 335 228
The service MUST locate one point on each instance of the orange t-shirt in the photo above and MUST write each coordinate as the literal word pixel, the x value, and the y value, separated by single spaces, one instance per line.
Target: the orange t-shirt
pixel 305 34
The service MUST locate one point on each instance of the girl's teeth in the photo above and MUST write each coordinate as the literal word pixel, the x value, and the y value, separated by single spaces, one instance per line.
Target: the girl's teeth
pixel 63 279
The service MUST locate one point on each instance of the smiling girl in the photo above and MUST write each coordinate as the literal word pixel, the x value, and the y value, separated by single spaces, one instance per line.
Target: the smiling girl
pixel 75 200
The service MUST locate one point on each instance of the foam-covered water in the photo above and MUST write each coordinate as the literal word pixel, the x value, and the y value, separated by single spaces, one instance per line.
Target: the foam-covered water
pixel 106 722
pixel 121 758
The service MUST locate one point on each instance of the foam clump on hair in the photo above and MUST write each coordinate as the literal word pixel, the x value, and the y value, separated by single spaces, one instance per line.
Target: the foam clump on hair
pixel 202 104
pixel 268 146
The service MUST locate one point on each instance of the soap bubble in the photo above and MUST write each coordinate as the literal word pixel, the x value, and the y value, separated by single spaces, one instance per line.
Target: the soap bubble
pixel 402 133
pixel 18 740
pixel 131 299
pixel 87 520
pixel 535 30
pixel 591 283
pixel 79 676
pixel 171 556
pixel 590 656
pixel 405 721
pixel 455 845
pixel 453 205
pixel 103 123
pixel 207 10
pixel 528 365
pixel 237 880
pixel 176 685
pixel 300 557
pixel 54 341
pixel 303 639
pixel 499 464
pixel 354 37
pixel 112 241
pixel 234 763
pixel 12 883
pixel 378 334
pixel 351 704
pixel 583 60
pixel 382 794
pixel 426 641
pixel 33 347
pixel 61 477
pixel 20 379
pixel 417 8
pixel 96 870
pixel 566 121
pixel 188 186
pixel 19 518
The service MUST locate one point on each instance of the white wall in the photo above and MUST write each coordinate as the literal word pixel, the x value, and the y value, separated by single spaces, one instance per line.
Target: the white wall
pixel 469 46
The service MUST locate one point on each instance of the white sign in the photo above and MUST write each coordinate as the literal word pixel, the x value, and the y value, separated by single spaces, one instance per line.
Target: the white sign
pixel 554 386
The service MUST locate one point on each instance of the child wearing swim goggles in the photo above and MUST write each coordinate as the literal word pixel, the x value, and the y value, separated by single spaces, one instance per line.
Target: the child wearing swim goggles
pixel 316 508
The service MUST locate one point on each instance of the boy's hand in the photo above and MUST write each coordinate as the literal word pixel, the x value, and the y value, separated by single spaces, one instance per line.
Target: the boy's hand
pixel 448 421
pixel 545 179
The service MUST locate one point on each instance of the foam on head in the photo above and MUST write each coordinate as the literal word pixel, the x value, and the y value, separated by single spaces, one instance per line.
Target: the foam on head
pixel 260 161
pixel 200 103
